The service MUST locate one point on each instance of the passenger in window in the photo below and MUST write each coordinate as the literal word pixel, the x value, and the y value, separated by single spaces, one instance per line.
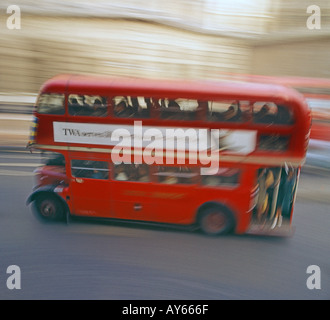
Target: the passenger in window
pixel 173 110
pixel 229 114
pixel 268 184
pixel 74 102
pixel 148 103
pixel 233 113
pixel 83 173
pixel 121 173
pixel 170 180
pixel 97 174
pixel 139 111
pixel 173 105
pixel 273 142
pixel 266 180
pixel 122 110
pixel 186 175
pixel 145 112
pixel 171 177
pixel 262 112
pixel 283 115
pixel 98 109
pixel 264 115
pixel 285 196
pixel 211 181
pixel 231 177
pixel 85 104
pixel 287 192
pixel 135 105
pixel 143 173
pixel 84 109
pixel 74 106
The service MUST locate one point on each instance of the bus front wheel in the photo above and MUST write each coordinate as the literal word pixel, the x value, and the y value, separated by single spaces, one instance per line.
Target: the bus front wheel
pixel 48 208
pixel 216 221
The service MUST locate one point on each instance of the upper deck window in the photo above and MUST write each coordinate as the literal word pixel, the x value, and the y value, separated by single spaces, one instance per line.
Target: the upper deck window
pixel 87 105
pixel 270 113
pixel 140 107
pixel 178 109
pixel 226 111
pixel 51 103
pixel 131 107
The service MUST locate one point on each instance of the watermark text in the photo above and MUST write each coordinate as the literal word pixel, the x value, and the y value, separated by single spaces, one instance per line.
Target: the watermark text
pixel 314 20
pixel 14 278
pixel 314 280
pixel 13 17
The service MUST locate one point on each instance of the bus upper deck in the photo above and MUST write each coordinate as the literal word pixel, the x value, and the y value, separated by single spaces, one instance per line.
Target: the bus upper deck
pixel 278 116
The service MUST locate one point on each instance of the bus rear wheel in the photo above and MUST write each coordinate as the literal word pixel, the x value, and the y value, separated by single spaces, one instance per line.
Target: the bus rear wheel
pixel 48 209
pixel 216 221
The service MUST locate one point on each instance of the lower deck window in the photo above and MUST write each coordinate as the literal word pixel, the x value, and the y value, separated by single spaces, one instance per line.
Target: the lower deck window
pixel 225 177
pixel 176 175
pixel 131 172
pixel 89 169
pixel 273 142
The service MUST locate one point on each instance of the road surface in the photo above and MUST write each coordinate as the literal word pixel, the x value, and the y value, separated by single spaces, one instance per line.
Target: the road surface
pixel 85 260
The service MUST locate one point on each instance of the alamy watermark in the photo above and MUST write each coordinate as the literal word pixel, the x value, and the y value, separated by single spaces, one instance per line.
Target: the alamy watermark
pixel 14 19
pixel 314 20
pixel 314 280
pixel 14 277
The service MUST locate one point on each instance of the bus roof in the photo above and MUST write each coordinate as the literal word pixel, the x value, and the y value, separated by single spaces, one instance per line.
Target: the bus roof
pixel 89 84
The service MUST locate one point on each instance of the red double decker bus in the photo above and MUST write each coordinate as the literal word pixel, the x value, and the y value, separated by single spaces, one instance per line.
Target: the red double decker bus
pixel 219 157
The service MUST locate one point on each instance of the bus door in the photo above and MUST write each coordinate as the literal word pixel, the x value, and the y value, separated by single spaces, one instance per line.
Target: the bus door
pixel 90 187
pixel 131 192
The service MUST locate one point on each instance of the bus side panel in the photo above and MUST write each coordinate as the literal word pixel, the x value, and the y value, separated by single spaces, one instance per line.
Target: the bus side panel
pixel 132 200
pixel 175 203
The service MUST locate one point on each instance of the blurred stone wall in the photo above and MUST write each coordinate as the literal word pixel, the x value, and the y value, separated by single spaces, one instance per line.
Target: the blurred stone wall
pixel 291 47
pixel 114 47
pixel 195 39
pixel 306 58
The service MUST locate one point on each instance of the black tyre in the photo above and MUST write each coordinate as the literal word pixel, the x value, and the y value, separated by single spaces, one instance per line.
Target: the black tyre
pixel 48 209
pixel 216 220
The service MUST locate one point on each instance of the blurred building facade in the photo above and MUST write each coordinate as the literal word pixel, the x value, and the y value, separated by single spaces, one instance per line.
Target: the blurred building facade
pixel 195 39
pixel 291 47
